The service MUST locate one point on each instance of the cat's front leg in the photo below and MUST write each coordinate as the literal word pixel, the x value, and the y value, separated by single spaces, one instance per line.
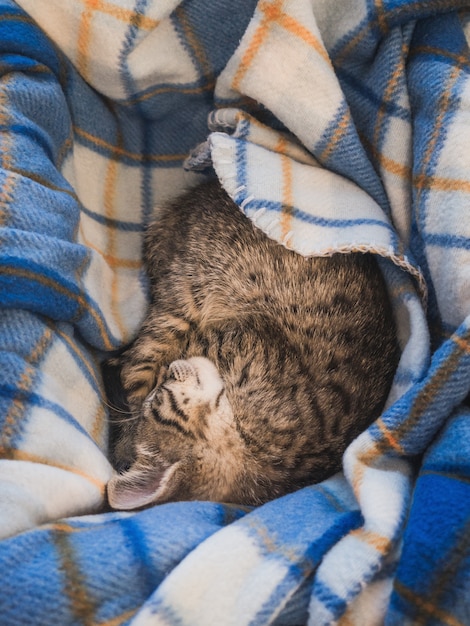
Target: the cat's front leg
pixel 162 339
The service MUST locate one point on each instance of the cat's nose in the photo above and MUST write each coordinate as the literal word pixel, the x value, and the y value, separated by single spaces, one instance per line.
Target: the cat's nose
pixel 181 370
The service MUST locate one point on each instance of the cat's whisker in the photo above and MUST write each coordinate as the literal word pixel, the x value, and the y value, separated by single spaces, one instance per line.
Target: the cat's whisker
pixel 115 409
pixel 121 416
pixel 124 420
pixel 119 411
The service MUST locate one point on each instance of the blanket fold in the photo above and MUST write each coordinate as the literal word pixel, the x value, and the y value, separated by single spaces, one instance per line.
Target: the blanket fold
pixel 336 127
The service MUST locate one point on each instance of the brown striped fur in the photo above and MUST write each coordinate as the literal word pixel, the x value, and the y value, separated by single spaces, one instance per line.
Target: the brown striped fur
pixel 255 366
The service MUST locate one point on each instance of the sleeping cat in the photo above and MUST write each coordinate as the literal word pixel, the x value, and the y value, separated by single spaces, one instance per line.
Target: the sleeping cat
pixel 255 367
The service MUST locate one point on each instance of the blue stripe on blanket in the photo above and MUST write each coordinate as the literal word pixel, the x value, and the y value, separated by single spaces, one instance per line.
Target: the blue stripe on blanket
pixel 275 540
pixel 447 240
pixel 29 285
pixel 347 156
pixel 434 94
pixel 368 99
pixel 70 555
pixel 26 341
pixel 128 44
pixel 416 417
pixel 20 35
pixel 212 32
pixel 317 554
pixel 109 222
pixel 429 545
pixel 335 518
pixel 308 218
pixel 10 394
pixel 380 19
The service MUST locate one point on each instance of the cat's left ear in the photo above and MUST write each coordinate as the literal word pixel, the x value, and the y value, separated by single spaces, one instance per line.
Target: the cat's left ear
pixel 140 486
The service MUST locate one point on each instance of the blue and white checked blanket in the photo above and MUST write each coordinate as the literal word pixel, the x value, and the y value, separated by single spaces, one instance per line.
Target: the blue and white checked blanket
pixel 336 125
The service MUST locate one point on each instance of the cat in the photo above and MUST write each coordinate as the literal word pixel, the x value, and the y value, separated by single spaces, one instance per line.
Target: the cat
pixel 255 366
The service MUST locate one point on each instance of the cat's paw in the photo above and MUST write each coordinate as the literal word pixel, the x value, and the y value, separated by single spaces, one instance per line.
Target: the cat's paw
pixel 196 380
pixel 181 370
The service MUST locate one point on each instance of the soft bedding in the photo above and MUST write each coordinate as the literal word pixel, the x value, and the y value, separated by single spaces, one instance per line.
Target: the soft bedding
pixel 336 126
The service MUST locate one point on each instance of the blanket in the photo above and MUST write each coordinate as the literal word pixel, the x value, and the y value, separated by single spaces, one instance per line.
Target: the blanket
pixel 336 126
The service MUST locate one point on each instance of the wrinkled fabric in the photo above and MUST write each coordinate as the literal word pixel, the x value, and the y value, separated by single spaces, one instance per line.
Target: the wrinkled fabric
pixel 336 126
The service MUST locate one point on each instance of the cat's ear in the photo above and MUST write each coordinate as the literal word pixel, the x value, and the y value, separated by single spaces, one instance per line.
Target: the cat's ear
pixel 140 486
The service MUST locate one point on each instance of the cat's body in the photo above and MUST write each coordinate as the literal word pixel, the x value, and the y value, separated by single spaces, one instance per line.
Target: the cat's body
pixel 297 359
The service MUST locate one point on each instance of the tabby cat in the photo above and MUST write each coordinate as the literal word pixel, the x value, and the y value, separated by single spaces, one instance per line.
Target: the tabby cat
pixel 255 367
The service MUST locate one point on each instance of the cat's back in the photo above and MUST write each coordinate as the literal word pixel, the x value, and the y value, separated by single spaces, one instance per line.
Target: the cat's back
pixel 202 227
pixel 210 251
pixel 204 239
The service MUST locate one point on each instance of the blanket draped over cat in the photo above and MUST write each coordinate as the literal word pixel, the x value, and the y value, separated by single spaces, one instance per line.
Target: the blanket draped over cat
pixel 336 126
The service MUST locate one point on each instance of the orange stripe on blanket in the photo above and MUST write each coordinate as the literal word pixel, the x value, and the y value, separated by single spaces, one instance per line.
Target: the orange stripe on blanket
pixel 16 410
pixel 440 183
pixel 462 343
pixel 36 178
pixel 388 164
pixel 375 540
pixel 364 460
pixel 346 619
pixel 387 435
pixel 336 137
pixel 109 204
pixel 297 29
pixel 184 90
pixel 195 44
pixel 419 406
pixel 21 455
pixel 6 195
pixel 287 197
pixel 90 8
pixel 6 161
pixel 113 261
pixel 434 385
pixel 273 14
pixel 426 607
pixel 357 479
pixel 272 546
pixel 62 527
pixel 82 603
pixel 83 41
pixel 381 21
pixel 252 50
pixel 120 619
pixel 124 15
pixel 81 301
pixel 387 97
pixel 348 48
pixel 461 59
pixel 444 104
pixel 98 429
pixel 117 152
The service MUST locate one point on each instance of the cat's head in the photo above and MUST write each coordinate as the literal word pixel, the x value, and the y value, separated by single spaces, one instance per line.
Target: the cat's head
pixel 187 445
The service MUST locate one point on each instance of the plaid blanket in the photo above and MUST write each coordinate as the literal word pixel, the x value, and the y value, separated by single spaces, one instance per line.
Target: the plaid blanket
pixel 336 125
